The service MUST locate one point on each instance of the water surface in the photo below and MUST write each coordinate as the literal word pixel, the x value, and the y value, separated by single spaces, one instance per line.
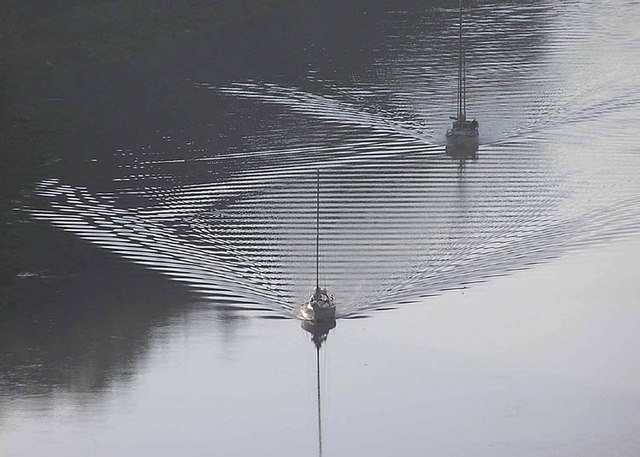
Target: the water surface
pixel 173 262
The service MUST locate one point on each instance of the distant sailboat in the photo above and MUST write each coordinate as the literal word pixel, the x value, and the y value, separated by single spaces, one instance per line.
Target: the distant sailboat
pixel 463 136
pixel 320 305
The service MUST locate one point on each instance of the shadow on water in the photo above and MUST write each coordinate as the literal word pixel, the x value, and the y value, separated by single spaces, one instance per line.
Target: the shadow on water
pixel 88 323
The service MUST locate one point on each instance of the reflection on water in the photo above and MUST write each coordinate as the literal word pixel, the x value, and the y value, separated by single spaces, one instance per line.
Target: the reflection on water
pixel 462 153
pixel 319 332
pixel 225 208
pixel 86 330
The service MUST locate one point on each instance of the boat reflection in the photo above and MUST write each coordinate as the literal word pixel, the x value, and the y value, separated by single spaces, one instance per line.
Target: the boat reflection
pixel 462 152
pixel 319 331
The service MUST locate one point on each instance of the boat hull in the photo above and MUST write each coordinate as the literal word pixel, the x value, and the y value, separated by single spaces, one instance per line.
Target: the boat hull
pixel 318 329
pixel 313 312
pixel 462 139
pixel 462 146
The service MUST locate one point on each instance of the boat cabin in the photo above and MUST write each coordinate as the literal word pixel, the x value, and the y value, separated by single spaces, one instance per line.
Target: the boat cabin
pixel 464 127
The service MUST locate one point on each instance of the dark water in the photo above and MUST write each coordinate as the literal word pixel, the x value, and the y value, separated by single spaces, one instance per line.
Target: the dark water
pixel 169 265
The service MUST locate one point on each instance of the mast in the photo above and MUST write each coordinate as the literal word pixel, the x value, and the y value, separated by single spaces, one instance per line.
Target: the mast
pixel 464 84
pixel 460 96
pixel 318 231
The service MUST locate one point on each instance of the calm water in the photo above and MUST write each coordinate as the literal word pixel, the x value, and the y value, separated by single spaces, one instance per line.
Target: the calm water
pixel 167 264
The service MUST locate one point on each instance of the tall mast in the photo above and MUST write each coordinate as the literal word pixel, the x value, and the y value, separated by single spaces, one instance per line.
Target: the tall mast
pixel 464 84
pixel 318 231
pixel 460 118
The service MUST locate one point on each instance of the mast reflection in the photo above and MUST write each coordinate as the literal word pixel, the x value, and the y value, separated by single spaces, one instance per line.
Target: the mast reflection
pixel 319 331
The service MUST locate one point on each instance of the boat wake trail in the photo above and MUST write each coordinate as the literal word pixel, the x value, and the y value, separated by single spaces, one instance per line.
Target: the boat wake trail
pixel 214 269
pixel 333 109
pixel 227 207
pixel 396 229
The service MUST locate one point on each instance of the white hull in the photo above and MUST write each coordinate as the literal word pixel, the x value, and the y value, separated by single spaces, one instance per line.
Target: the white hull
pixel 312 311
pixel 319 307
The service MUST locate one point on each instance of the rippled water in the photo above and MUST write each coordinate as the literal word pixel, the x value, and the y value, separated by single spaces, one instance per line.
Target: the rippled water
pixel 400 220
pixel 227 207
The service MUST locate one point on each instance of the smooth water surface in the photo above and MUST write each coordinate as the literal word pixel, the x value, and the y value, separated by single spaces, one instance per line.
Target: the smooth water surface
pixel 175 259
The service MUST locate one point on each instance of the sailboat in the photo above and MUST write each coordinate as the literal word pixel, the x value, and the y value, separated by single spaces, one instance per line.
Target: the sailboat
pixel 463 135
pixel 320 306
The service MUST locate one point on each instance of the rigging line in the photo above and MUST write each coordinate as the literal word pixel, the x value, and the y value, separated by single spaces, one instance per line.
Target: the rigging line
pixel 318 230
pixel 460 66
pixel 464 83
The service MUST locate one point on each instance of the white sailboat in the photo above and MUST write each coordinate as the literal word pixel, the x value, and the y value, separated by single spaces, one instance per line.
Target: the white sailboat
pixel 320 306
pixel 463 134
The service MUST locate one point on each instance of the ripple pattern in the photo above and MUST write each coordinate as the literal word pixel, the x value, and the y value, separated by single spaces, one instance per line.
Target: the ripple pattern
pixel 557 170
